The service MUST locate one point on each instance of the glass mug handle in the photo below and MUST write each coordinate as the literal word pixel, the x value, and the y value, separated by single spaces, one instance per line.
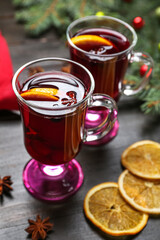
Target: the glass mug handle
pixel 105 126
pixel 143 59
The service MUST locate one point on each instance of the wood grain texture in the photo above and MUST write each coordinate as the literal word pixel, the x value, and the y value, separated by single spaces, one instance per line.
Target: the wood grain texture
pixel 100 164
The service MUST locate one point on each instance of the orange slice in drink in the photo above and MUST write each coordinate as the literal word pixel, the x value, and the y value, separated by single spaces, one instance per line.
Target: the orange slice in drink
pixel 38 94
pixel 107 210
pixel 91 39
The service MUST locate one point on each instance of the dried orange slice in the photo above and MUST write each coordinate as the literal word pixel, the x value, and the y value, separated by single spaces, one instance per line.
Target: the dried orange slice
pixel 106 209
pixel 94 39
pixel 143 195
pixel 47 94
pixel 143 159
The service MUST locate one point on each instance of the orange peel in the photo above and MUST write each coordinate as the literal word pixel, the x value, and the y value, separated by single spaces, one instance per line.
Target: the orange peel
pixel 37 94
pixel 87 39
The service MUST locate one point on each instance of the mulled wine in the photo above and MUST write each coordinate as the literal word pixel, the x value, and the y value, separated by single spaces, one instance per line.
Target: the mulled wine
pixel 52 136
pixel 53 106
pixel 105 62
pixel 105 46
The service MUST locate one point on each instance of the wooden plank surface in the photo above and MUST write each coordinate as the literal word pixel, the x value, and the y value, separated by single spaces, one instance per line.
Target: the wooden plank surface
pixel 100 164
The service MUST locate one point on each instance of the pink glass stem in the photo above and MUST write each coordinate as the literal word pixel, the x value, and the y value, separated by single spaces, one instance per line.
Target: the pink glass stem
pixel 52 183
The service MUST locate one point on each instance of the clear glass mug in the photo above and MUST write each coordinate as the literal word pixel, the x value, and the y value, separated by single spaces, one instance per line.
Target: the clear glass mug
pixel 108 69
pixel 54 130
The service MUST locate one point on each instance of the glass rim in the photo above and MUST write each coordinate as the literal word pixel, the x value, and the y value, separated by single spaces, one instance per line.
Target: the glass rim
pixel 18 72
pixel 83 19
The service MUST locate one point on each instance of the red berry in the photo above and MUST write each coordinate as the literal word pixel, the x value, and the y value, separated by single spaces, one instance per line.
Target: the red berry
pixel 143 69
pixel 138 22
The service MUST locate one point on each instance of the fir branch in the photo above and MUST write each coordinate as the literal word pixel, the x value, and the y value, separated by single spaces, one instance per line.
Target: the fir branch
pixel 26 3
pixel 152 107
pixel 39 16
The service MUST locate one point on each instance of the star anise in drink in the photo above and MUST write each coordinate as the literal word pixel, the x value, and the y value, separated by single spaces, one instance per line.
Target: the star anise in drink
pixel 5 184
pixel 39 228
pixel 71 100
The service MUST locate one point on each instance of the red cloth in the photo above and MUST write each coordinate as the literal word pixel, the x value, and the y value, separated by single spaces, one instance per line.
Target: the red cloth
pixel 8 99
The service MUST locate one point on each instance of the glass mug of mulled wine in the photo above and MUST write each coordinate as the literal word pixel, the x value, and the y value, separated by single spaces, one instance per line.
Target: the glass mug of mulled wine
pixel 53 105
pixel 104 45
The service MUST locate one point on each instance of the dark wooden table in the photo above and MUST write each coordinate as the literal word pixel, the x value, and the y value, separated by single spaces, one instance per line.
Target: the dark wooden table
pixel 100 164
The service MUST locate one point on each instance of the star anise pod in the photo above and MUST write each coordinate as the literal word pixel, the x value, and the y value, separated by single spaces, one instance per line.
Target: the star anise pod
pixel 5 184
pixel 39 228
